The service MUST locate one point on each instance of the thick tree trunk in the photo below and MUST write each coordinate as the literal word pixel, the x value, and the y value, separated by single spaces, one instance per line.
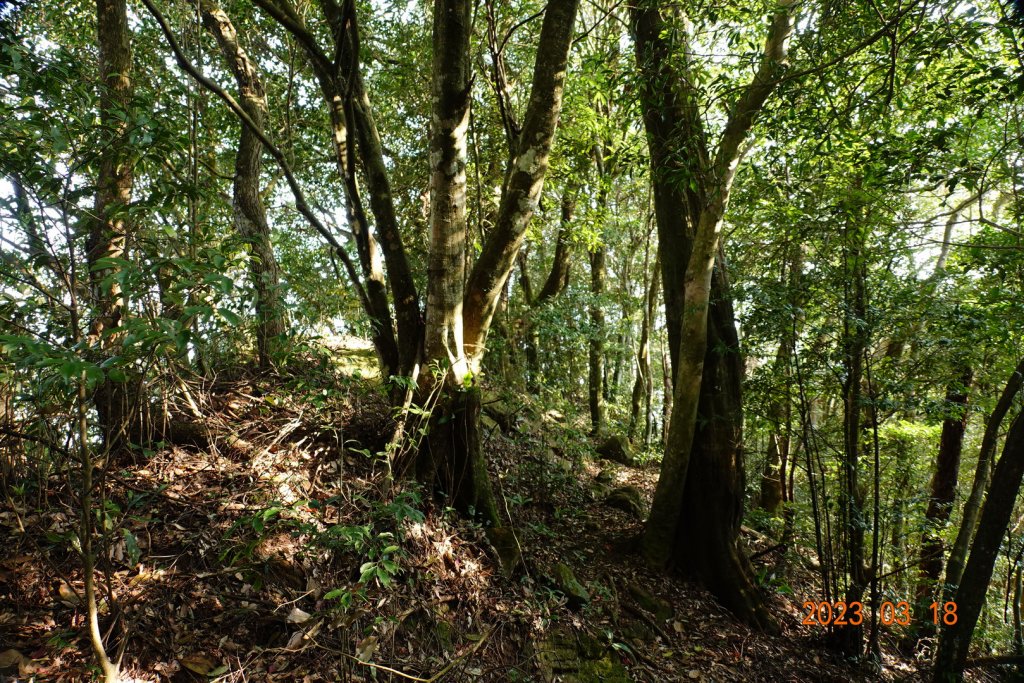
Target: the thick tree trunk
pixel 940 503
pixel 955 640
pixel 452 459
pixel 250 214
pixel 972 508
pixel 595 377
pixel 699 531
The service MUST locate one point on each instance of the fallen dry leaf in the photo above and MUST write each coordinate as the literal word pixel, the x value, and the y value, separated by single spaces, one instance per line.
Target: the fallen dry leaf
pixel 200 664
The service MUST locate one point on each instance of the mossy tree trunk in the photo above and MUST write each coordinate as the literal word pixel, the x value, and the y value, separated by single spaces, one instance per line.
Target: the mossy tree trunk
pixel 697 506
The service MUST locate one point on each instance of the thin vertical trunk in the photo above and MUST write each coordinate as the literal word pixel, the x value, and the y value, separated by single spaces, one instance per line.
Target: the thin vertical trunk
pixel 955 640
pixel 940 502
pixel 107 232
pixel 250 214
pixel 854 345
pixel 595 378
pixel 643 384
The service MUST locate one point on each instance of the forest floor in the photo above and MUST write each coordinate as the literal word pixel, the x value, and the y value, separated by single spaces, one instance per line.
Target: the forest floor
pixel 272 553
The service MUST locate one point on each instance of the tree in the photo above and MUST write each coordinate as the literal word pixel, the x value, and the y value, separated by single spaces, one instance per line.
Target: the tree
pixel 105 246
pixel 955 639
pixel 690 204
pixel 250 214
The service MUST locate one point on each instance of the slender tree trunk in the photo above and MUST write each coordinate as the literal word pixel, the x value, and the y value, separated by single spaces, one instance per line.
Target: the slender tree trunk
pixel 554 285
pixel 595 379
pixel 854 344
pixel 643 384
pixel 955 640
pixel 972 508
pixel 250 214
pixel 107 232
pixel 940 503
pixel 773 475
pixel 525 176
pixel 351 117
pixel 666 405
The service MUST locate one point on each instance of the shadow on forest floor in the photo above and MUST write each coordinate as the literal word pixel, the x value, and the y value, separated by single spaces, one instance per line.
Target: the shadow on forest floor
pixel 277 554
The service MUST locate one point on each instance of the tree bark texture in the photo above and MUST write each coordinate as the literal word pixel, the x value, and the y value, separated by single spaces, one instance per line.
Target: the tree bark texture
pixel 691 192
pixel 940 502
pixel 107 232
pixel 982 475
pixel 525 176
pixel 955 640
pixel 596 365
pixel 250 213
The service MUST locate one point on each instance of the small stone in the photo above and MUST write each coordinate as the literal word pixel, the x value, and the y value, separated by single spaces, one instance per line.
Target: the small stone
pixel 617 449
pixel 628 499
pixel 658 607
pixel 570 586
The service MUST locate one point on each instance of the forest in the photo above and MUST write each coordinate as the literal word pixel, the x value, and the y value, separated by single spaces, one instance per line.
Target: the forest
pixel 511 340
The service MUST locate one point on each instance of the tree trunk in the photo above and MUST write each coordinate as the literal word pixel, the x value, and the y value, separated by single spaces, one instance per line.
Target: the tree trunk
pixel 644 382
pixel 940 503
pixel 972 508
pixel 955 640
pixel 554 285
pixel 525 176
pixel 250 214
pixel 351 115
pixel 452 459
pixel 595 380
pixel 107 232
pixel 849 640
pixel 699 530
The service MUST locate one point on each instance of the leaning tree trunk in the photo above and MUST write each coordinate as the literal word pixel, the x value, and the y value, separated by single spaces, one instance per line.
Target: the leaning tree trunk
pixel 107 232
pixel 955 640
pixel 940 504
pixel 525 176
pixel 250 214
pixel 972 508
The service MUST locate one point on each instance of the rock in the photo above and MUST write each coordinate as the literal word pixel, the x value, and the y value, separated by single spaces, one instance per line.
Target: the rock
pixel 661 609
pixel 556 461
pixel 570 586
pixel 605 476
pixel 570 658
pixel 628 499
pixel 506 547
pixel 617 449
pixel 497 411
pixel 489 423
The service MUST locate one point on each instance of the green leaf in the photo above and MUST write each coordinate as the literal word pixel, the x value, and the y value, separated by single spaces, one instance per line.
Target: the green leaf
pixel 230 316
